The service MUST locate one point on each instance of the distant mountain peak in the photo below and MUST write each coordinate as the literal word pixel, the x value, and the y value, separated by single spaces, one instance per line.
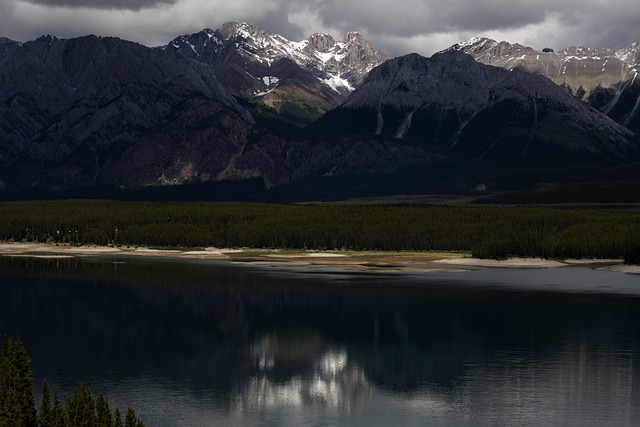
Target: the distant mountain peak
pixel 452 103
pixel 305 78
pixel 605 78
pixel 233 29
pixel 320 42
pixel 354 37
pixel 47 38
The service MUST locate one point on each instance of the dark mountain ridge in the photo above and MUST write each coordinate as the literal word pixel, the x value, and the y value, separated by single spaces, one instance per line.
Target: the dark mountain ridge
pixel 295 82
pixel 604 78
pixel 443 112
pixel 105 113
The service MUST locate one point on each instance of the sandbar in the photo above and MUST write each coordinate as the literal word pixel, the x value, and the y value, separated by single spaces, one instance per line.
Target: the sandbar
pixel 369 261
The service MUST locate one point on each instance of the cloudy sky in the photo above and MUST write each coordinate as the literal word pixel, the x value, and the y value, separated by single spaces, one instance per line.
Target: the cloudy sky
pixel 396 27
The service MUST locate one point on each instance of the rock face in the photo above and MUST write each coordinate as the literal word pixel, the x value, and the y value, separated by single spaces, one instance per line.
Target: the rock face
pixel 451 105
pixel 604 78
pixel 298 80
pixel 104 111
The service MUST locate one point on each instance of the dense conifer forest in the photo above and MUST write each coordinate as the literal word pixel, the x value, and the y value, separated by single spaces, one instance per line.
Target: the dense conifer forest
pixel 17 402
pixel 588 231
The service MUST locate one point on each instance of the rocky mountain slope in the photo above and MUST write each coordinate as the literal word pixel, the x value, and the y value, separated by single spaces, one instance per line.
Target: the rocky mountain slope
pixel 299 81
pixel 605 78
pixel 103 111
pixel 95 112
pixel 451 107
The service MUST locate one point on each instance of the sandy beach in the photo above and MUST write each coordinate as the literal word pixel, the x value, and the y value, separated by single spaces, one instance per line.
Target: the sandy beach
pixel 372 261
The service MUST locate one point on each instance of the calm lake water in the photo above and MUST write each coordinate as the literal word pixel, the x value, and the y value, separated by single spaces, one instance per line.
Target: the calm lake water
pixel 208 343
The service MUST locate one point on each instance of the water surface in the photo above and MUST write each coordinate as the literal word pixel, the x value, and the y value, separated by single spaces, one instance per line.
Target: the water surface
pixel 211 343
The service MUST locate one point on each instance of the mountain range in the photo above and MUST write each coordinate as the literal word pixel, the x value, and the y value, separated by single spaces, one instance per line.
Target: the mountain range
pixel 293 82
pixel 318 118
pixel 604 78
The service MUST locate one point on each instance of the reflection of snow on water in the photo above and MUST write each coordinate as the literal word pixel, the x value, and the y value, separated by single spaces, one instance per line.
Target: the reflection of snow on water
pixel 265 362
pixel 333 362
pixel 334 383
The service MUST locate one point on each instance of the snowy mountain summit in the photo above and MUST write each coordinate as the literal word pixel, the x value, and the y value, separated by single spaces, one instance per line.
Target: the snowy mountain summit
pixel 339 65
pixel 294 82
pixel 605 78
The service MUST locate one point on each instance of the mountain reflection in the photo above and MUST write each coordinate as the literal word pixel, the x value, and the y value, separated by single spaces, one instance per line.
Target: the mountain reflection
pixel 331 381
pixel 234 340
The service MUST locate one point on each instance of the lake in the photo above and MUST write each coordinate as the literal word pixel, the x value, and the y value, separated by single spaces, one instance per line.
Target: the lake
pixel 213 343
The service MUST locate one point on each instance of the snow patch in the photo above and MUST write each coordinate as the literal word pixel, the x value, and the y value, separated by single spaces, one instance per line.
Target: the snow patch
pixel 473 41
pixel 258 94
pixel 324 57
pixel 335 82
pixel 580 58
pixel 270 80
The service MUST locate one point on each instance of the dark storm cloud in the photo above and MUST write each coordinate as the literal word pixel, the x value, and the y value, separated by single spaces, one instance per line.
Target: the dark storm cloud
pixel 419 16
pixel 279 20
pixel 423 26
pixel 413 17
pixel 103 4
pixel 613 23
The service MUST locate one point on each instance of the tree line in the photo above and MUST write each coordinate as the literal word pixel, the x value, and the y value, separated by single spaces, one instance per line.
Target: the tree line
pixel 17 402
pixel 590 231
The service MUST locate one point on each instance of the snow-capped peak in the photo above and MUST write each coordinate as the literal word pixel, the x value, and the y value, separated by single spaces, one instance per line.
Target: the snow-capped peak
pixel 338 65
pixel 234 29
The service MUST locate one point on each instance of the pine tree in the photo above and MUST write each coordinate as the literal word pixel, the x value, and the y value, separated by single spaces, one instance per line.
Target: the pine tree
pixel 130 418
pixel 45 414
pixel 17 404
pixel 117 419
pixel 103 411
pixel 81 408
pixel 58 413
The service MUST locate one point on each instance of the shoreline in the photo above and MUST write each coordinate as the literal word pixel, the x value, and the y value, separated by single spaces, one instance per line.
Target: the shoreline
pixel 370 261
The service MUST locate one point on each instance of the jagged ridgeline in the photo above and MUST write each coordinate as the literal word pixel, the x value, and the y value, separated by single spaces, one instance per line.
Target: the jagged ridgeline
pixel 95 111
pixel 449 109
pixel 604 78
pixel 17 402
pixel 315 119
pixel 284 82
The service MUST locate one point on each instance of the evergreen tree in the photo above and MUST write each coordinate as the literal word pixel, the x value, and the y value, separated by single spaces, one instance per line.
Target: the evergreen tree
pixel 45 413
pixel 117 419
pixel 103 411
pixel 17 403
pixel 58 414
pixel 81 408
pixel 130 418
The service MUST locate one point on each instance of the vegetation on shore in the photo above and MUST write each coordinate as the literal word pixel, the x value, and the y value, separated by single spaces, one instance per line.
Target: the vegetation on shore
pixel 17 402
pixel 590 231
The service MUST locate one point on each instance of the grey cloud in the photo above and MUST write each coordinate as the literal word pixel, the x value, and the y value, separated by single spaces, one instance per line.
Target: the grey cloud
pixel 429 16
pixel 278 22
pixel 422 26
pixel 613 24
pixel 103 4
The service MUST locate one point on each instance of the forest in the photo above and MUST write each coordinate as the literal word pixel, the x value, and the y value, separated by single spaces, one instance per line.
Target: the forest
pixel 556 231
pixel 17 402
